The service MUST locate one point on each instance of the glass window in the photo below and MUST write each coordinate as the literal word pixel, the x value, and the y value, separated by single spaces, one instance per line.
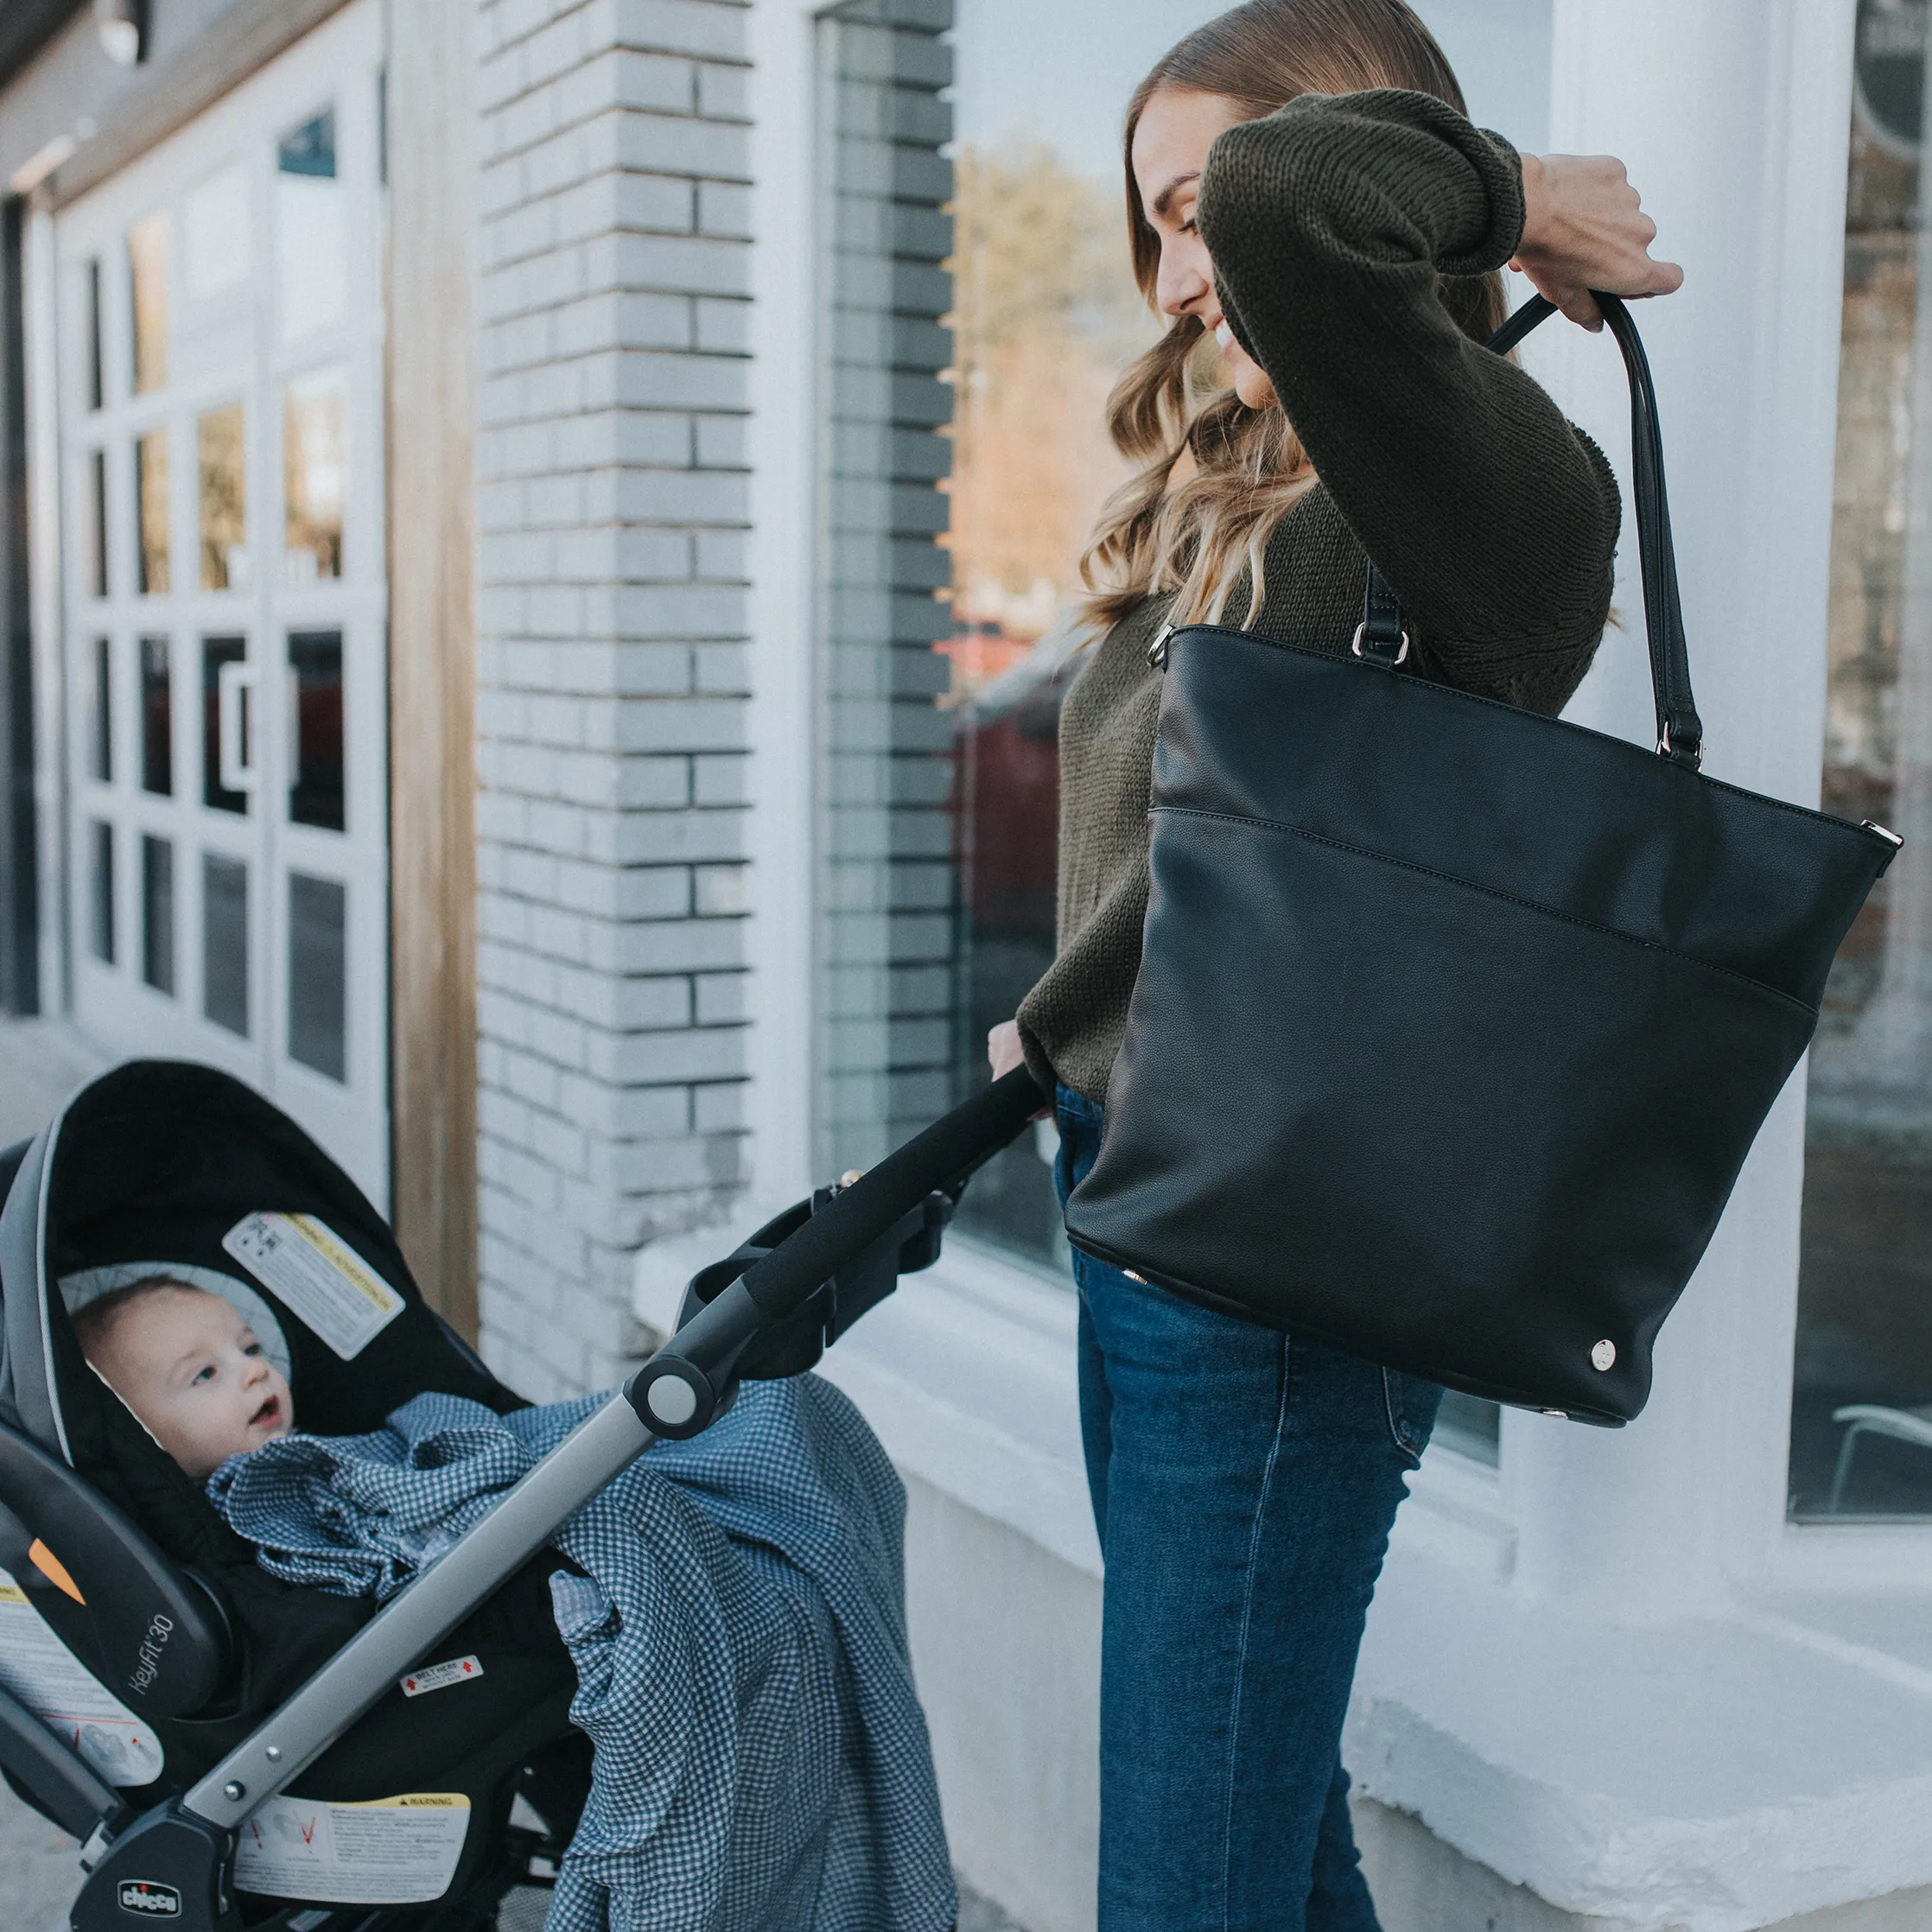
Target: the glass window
pixel 101 706
pixel 979 308
pixel 150 496
pixel 157 912
pixel 95 392
pixel 884 941
pixel 157 718
pixel 215 238
pixel 224 500
pixel 147 241
pixel 224 942
pixel 97 522
pixel 315 667
pixel 315 461
pixel 311 239
pixel 216 653
pixel 100 892
pixel 318 984
pixel 1861 1409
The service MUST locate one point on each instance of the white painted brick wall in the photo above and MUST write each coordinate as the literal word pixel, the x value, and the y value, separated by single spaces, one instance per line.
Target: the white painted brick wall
pixel 611 512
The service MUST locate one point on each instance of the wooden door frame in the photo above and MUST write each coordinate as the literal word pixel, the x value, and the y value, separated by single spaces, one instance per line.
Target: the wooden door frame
pixel 431 404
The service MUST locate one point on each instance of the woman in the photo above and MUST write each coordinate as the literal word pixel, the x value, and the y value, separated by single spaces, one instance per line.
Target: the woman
pixel 1301 185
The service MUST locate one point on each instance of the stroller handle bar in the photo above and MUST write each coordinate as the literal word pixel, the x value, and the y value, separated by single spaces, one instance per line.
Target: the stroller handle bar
pixel 703 1350
pixel 940 1158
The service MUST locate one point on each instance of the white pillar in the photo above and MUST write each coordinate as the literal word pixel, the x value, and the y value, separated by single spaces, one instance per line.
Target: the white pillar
pixel 1732 118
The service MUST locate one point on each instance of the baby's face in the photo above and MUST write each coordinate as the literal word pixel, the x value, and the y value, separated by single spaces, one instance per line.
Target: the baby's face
pixel 191 1368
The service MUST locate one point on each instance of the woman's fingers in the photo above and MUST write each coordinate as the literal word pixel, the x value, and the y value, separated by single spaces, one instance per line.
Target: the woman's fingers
pixel 1003 1049
pixel 1585 228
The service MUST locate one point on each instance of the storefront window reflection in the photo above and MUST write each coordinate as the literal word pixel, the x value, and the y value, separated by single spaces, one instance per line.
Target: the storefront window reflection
pixel 1861 1412
pixel 979 308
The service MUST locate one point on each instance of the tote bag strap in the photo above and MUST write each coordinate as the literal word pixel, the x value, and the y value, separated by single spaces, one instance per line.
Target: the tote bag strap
pixel 1382 639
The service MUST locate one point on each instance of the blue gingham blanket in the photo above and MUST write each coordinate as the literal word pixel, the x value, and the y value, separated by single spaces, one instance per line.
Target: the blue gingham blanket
pixel 761 1760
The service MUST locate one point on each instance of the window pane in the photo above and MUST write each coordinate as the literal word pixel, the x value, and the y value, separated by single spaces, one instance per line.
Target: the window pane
pixel 147 281
pixel 100 892
pixel 311 243
pixel 977 311
pixel 157 717
pixel 97 522
pixel 157 913
pixel 317 978
pixel 216 653
pixel 101 706
pixel 216 238
pixel 314 461
pixel 224 942
pixel 224 500
pixel 95 392
pixel 150 495
pixel 1861 1409
pixel 315 665
pixel 884 1000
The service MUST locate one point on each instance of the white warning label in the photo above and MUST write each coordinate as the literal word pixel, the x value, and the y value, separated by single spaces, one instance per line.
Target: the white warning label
pixel 439 1676
pixel 317 1276
pixel 68 1698
pixel 400 1851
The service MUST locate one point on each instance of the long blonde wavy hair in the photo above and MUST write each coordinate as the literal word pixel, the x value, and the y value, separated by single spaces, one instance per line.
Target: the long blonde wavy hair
pixel 1191 526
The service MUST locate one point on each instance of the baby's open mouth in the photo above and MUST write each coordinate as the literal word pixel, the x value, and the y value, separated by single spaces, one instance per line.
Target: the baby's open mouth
pixel 268 1414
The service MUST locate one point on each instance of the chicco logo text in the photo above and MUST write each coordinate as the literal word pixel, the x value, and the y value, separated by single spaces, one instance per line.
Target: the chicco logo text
pixel 148 1899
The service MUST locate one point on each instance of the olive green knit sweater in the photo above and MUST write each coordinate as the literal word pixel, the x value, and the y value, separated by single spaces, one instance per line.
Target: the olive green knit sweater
pixel 1493 518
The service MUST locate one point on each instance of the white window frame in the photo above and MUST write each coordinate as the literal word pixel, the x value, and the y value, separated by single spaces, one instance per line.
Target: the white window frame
pixel 334 65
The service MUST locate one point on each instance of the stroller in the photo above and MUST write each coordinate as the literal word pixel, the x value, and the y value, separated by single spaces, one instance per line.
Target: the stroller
pixel 199 1700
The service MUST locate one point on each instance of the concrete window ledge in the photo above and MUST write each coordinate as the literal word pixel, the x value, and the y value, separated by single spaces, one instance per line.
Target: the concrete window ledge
pixel 1749 1770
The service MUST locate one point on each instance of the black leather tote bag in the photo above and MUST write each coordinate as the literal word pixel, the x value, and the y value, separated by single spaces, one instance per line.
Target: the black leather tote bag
pixel 1454 1023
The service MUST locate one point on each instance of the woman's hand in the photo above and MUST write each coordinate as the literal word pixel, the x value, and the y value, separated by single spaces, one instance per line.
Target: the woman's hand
pixel 1003 1049
pixel 1004 1053
pixel 1584 228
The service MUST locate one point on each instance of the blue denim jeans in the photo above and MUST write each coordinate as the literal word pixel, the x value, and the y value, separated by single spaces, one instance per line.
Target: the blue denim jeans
pixel 1243 1484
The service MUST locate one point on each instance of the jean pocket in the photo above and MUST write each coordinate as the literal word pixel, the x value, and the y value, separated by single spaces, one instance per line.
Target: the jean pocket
pixel 1411 1403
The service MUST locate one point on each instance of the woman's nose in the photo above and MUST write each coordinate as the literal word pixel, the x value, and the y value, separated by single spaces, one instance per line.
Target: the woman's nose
pixel 1183 280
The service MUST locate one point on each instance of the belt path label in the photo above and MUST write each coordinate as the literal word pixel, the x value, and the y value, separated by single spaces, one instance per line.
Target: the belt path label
pixel 439 1676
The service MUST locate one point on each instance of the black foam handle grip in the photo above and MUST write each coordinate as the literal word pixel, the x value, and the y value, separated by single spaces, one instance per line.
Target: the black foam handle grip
pixel 857 1216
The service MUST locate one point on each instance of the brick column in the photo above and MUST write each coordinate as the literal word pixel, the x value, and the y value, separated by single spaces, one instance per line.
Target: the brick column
pixel 612 677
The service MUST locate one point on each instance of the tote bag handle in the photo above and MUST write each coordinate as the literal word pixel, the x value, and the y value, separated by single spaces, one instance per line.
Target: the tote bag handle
pixel 1680 730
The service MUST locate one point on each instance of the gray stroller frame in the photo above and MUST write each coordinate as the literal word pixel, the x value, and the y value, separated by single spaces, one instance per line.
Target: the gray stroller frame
pixel 172 1862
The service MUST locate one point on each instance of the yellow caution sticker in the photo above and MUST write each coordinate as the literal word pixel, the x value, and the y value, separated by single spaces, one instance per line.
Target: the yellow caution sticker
pixel 398 1851
pixel 317 1276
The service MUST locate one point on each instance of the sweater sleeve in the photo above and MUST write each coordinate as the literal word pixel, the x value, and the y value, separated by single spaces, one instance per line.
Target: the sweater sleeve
pixel 1494 519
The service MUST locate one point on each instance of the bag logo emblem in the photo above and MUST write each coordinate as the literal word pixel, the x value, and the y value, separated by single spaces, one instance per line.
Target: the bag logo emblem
pixel 1603 1356
pixel 148 1899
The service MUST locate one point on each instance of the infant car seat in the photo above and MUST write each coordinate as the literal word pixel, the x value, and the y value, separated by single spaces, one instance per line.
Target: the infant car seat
pixel 188 1643
pixel 233 1751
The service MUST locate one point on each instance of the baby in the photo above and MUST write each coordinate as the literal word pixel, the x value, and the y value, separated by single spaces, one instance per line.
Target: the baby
pixel 189 1367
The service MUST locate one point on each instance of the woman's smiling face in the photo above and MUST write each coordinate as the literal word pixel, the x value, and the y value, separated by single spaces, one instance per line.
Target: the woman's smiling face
pixel 188 1364
pixel 1171 143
